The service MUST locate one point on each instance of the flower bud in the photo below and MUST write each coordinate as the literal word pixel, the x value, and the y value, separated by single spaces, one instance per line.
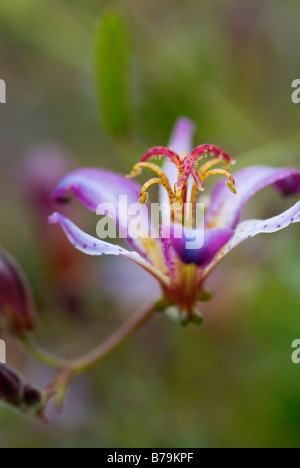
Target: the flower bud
pixel 10 386
pixel 15 393
pixel 15 296
pixel 31 396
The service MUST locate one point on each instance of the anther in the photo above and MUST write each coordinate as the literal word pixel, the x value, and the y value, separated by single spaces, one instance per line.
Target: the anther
pixel 230 184
pixel 163 180
pixel 144 198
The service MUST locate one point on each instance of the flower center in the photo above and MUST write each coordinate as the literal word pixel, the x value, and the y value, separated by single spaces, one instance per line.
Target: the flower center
pixel 188 165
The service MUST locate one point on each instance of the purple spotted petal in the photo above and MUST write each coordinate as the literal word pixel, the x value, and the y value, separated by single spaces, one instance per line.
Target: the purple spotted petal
pixel 226 209
pixel 95 187
pixel 181 142
pixel 93 246
pixel 250 228
pixel 198 246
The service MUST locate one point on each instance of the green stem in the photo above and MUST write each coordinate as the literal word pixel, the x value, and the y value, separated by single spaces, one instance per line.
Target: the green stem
pixel 128 328
pixel 43 356
pixel 94 357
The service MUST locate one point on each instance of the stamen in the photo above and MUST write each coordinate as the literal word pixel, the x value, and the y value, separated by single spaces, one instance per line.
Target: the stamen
pixel 213 162
pixel 136 171
pixel 177 209
pixel 205 150
pixel 144 194
pixel 162 151
pixel 204 174
pixel 230 184
pixel 163 180
pixel 186 165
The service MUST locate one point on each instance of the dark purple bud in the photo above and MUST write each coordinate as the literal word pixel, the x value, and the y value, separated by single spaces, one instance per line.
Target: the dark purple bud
pixel 15 393
pixel 15 296
pixel 31 396
pixel 10 386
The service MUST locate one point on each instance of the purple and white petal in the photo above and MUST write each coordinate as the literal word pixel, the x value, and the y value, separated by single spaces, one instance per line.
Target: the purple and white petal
pixel 106 193
pixel 181 142
pixel 95 186
pixel 250 228
pixel 198 246
pixel 226 208
pixel 90 245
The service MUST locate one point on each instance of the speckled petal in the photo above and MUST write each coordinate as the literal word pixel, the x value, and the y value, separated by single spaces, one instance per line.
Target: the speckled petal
pixel 250 228
pixel 90 245
pixel 226 208
pixel 199 247
pixel 94 187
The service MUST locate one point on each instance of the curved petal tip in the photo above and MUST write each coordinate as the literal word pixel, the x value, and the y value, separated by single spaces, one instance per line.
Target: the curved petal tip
pixel 54 218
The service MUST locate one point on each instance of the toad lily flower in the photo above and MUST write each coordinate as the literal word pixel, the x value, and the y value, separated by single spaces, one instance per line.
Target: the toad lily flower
pixel 181 271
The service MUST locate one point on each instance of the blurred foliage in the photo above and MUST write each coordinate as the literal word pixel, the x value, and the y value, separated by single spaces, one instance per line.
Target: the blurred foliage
pixel 112 51
pixel 229 66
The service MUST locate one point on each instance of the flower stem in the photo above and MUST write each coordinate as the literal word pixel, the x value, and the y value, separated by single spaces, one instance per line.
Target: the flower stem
pixel 128 328
pixel 94 357
pixel 43 356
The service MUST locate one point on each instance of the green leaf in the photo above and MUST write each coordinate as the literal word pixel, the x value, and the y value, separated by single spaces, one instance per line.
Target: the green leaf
pixel 112 50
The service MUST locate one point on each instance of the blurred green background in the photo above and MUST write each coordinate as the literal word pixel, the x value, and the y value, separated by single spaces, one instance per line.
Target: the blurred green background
pixel 139 65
